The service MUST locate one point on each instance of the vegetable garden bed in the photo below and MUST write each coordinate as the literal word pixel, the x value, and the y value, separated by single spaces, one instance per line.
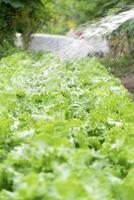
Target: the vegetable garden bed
pixel 66 131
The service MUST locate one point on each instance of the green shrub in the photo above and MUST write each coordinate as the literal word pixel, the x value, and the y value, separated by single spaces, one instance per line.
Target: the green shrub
pixel 120 62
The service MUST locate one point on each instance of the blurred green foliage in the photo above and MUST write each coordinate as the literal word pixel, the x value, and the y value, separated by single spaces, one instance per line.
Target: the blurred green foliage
pixel 71 13
pixel 120 62
pixel 125 37
pixel 22 16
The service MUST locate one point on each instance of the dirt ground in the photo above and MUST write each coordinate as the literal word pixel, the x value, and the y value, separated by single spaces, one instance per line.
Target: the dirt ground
pixel 128 82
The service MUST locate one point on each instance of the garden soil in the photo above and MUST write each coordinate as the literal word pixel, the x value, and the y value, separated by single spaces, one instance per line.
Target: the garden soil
pixel 128 82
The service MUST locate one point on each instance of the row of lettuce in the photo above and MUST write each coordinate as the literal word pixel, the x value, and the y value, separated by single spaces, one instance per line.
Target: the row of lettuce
pixel 66 131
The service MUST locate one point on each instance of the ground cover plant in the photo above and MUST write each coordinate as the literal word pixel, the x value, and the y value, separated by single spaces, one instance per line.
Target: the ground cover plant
pixel 66 131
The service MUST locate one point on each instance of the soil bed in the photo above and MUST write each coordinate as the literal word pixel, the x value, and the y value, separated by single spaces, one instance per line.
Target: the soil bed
pixel 128 82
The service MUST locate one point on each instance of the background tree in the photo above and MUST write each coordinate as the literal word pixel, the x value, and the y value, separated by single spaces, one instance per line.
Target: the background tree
pixel 23 16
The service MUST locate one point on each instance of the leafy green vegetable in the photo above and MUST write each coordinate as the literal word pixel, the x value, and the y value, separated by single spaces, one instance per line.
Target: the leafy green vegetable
pixel 66 131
